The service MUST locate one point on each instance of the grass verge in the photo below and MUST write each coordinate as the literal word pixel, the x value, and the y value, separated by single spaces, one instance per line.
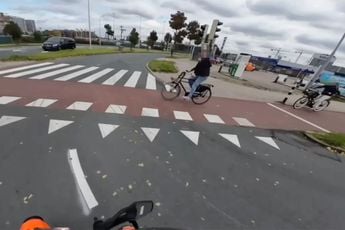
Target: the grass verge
pixel 333 139
pixel 163 66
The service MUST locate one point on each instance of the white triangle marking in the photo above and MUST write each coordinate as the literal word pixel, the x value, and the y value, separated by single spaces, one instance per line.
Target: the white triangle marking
pixel 55 125
pixel 106 129
pixel 269 140
pixel 232 138
pixel 5 120
pixel 192 135
pixel 151 133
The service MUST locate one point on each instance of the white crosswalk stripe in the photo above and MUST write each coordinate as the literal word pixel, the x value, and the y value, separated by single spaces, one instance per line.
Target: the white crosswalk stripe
pixel 118 109
pixel 80 105
pixel 8 99
pixel 243 121
pixel 56 72
pixel 149 112
pixel 151 82
pixel 25 67
pixel 214 119
pixel 41 102
pixel 112 80
pixel 180 115
pixel 95 76
pixel 21 74
pixel 133 80
pixel 76 74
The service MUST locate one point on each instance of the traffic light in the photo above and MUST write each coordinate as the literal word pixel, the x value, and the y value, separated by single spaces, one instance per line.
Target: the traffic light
pixel 215 29
pixel 203 33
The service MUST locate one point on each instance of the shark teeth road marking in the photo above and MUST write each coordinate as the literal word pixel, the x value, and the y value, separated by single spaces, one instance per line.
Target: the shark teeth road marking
pixel 180 115
pixel 151 133
pixel 118 109
pixel 232 138
pixel 269 140
pixel 214 119
pixel 149 112
pixel 80 105
pixel 243 122
pixel 106 129
pixel 41 102
pixel 5 120
pixel 55 125
pixel 192 135
pixel 80 179
pixel 25 67
pixel 8 99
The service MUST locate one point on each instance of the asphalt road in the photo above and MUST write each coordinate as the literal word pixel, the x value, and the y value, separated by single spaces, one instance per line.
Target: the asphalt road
pixel 201 175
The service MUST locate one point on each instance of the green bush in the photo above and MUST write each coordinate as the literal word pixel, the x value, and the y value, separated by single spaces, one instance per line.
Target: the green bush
pixel 163 66
pixel 335 139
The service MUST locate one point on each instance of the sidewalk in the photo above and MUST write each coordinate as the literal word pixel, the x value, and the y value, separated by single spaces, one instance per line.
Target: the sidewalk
pixel 253 89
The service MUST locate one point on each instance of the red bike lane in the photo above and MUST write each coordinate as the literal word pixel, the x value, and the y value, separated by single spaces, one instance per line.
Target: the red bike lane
pixel 262 115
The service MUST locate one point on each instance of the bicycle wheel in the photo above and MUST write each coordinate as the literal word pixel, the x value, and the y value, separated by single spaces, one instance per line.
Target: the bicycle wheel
pixel 202 97
pixel 170 90
pixel 300 103
pixel 321 106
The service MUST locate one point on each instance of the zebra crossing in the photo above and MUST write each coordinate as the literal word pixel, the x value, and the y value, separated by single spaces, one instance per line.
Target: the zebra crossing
pixel 83 74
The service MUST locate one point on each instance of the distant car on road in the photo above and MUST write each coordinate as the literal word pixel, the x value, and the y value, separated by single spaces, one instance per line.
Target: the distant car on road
pixel 58 43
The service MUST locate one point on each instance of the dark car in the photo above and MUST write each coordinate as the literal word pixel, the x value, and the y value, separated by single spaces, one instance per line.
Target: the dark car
pixel 58 43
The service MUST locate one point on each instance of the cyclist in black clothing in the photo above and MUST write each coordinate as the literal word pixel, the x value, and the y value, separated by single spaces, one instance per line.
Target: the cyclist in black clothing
pixel 328 91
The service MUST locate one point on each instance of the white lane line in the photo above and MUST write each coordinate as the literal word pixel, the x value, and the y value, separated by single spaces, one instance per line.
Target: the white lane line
pixel 21 74
pixel 151 82
pixel 232 138
pixel 95 76
pixel 214 119
pixel 299 118
pixel 8 99
pixel 192 135
pixel 112 80
pixel 81 180
pixel 133 80
pixel 25 67
pixel 150 133
pixel 180 115
pixel 80 105
pixel 76 74
pixel 106 129
pixel 149 112
pixel 5 120
pixel 243 122
pixel 118 109
pixel 56 72
pixel 55 125
pixel 269 140
pixel 41 102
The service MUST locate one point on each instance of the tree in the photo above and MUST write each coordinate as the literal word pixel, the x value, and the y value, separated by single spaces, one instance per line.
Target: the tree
pixel 167 39
pixel 194 32
pixel 133 38
pixel 151 40
pixel 180 36
pixel 37 36
pixel 177 22
pixel 108 30
pixel 13 29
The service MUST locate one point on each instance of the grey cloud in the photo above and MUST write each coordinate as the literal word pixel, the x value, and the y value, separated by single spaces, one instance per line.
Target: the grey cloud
pixel 242 43
pixel 278 8
pixel 319 43
pixel 172 5
pixel 61 9
pixel 138 12
pixel 219 9
pixel 255 31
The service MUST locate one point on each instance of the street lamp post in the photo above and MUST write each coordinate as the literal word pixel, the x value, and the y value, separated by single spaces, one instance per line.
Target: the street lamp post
pixel 88 7
pixel 324 66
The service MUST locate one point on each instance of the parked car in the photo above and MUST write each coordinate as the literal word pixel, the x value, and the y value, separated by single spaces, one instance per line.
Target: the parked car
pixel 58 43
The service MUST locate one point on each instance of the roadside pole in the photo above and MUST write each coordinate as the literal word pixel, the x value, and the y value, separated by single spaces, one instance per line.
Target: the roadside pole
pixel 88 7
pixel 323 67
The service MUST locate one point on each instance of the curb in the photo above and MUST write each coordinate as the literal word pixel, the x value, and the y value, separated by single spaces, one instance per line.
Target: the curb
pixel 332 148
pixel 151 72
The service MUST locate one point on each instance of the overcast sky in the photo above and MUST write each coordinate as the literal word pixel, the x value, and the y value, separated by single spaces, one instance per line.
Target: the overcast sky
pixel 253 26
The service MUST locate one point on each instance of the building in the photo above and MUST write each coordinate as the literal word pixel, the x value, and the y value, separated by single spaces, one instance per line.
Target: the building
pixel 4 19
pixel 30 26
pixel 20 22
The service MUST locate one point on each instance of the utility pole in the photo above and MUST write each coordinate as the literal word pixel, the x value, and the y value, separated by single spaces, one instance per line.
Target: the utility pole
pixel 299 56
pixel 122 30
pixel 114 24
pixel 88 6
pixel 278 52
pixel 324 66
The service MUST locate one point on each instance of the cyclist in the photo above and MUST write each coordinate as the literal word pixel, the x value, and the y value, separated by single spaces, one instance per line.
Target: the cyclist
pixel 328 91
pixel 201 71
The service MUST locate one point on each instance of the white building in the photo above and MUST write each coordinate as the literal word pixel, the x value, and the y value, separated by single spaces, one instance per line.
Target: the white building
pixel 30 26
pixel 20 22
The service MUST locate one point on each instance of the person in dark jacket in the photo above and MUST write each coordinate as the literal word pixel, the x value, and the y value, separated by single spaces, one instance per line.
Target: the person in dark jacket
pixel 201 71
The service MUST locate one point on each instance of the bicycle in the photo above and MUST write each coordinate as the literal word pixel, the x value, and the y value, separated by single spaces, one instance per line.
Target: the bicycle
pixel 309 100
pixel 172 90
